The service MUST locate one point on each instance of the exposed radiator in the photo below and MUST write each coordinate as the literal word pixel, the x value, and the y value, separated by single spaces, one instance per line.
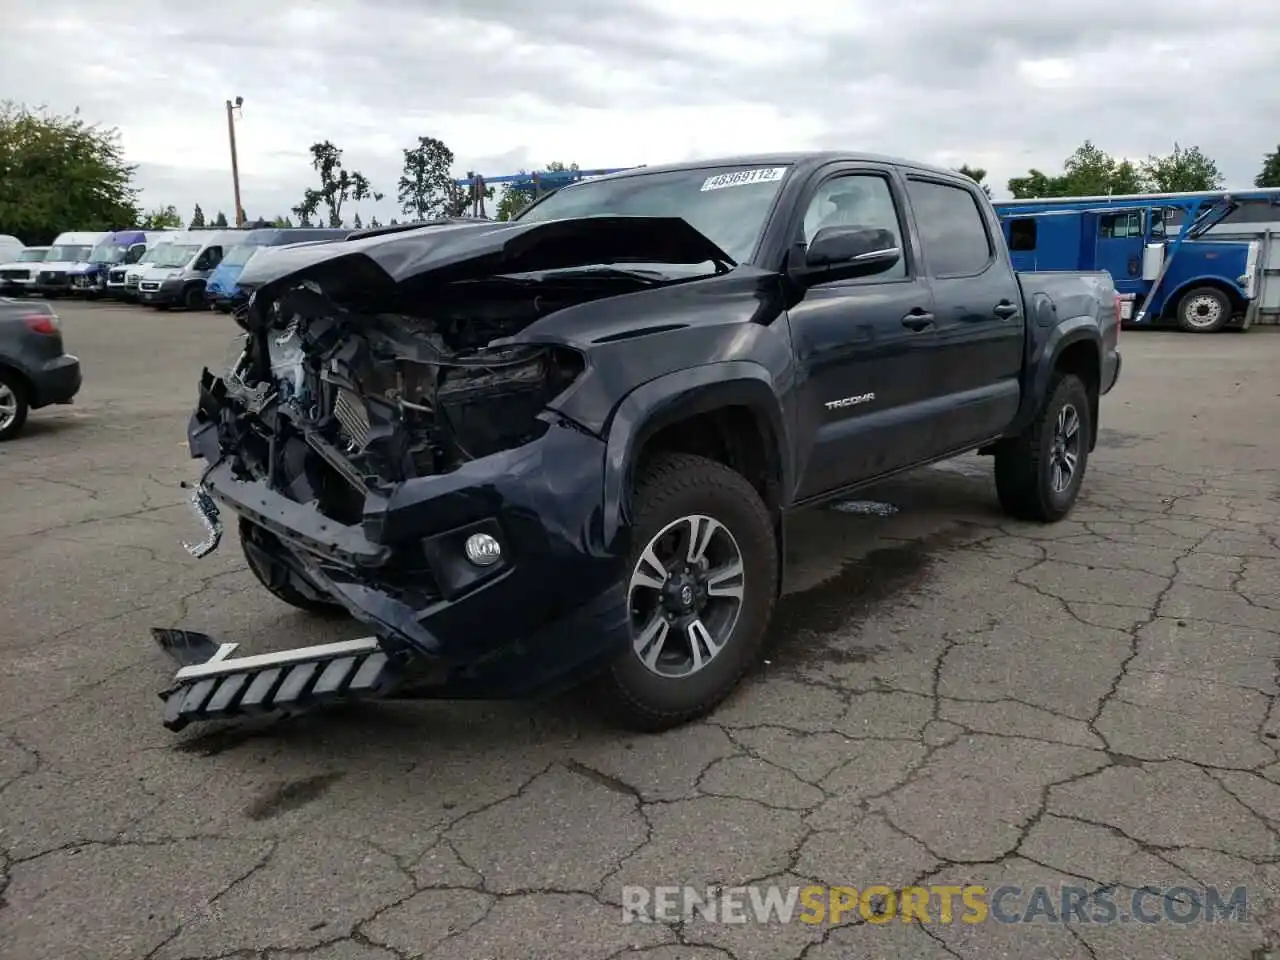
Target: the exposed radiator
pixel 351 414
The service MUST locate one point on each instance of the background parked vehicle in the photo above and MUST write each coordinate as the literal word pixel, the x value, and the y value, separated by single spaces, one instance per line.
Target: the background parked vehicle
pixel 35 371
pixel 1164 251
pixel 122 247
pixel 68 252
pixel 221 290
pixel 176 278
pixel 10 247
pixel 18 276
pixel 133 274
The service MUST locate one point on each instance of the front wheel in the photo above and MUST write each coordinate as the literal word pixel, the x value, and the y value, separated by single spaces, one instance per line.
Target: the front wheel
pixel 258 546
pixel 701 592
pixel 193 299
pixel 1039 473
pixel 1204 310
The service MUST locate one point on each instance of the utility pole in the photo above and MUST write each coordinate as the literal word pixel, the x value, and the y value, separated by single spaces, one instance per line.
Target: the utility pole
pixel 235 163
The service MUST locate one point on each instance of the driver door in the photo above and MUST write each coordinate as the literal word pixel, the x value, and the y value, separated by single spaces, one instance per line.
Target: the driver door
pixel 861 345
pixel 1120 243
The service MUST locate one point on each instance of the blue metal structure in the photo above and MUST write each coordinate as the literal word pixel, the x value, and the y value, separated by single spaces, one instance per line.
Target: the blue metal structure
pixel 535 184
pixel 1133 238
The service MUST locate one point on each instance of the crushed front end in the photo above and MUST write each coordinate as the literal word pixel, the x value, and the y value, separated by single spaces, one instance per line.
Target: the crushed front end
pixel 393 452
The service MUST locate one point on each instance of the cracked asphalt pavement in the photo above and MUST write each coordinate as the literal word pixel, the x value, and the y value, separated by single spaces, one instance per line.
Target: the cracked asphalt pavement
pixel 949 697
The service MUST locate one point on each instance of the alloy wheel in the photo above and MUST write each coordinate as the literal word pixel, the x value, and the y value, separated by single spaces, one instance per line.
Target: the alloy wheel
pixel 685 596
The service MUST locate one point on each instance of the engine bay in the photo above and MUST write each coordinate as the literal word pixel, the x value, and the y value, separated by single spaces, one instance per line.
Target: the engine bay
pixel 333 401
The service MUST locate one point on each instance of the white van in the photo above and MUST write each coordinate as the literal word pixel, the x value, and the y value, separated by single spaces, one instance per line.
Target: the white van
pixel 10 247
pixel 176 277
pixel 133 275
pixel 68 251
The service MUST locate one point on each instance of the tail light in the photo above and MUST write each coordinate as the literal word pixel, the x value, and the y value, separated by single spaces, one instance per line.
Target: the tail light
pixel 41 323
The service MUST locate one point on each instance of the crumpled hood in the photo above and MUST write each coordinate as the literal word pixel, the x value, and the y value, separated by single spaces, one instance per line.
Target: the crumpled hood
pixel 462 250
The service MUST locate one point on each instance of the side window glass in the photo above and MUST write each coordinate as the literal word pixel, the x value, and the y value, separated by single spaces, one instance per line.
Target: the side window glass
pixel 1120 226
pixel 856 200
pixel 952 228
pixel 1022 234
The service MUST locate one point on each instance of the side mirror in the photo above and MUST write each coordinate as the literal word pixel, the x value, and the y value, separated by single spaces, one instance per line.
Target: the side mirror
pixel 852 250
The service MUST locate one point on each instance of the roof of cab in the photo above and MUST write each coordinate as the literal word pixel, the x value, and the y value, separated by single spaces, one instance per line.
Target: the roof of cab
pixel 805 159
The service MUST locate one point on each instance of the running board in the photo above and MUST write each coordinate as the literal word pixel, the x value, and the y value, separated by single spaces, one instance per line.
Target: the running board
pixel 212 685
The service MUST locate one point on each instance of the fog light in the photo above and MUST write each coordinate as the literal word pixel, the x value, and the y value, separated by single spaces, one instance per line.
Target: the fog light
pixel 483 550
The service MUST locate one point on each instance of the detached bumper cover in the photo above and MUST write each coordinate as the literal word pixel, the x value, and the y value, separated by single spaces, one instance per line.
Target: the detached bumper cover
pixel 212 684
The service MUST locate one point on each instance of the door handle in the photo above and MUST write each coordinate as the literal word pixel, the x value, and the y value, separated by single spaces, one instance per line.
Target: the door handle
pixel 1004 309
pixel 917 321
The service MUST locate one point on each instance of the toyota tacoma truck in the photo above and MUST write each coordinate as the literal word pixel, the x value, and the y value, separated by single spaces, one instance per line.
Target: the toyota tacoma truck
pixel 564 449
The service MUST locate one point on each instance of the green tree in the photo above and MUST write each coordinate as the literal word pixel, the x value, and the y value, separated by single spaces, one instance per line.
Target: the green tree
pixel 355 223
pixel 514 199
pixel 426 188
pixel 1182 171
pixel 337 186
pixel 58 171
pixel 162 218
pixel 977 175
pixel 1088 172
pixel 1269 176
pixel 197 219
pixel 220 221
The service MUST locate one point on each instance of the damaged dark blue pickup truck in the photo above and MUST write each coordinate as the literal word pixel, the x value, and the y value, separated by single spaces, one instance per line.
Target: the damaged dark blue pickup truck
pixel 564 448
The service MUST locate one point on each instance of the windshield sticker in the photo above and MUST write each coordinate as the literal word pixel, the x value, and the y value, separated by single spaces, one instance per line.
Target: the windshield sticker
pixel 741 178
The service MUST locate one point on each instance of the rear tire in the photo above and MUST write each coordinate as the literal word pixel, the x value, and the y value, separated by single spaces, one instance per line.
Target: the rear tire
pixel 1204 310
pixel 696 657
pixel 278 580
pixel 1031 479
pixel 14 405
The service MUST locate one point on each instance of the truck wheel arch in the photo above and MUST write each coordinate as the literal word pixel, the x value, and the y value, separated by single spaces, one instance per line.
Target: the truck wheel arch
pixel 728 395
pixel 1074 346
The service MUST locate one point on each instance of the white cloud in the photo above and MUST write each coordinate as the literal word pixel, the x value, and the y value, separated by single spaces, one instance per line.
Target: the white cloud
pixel 995 83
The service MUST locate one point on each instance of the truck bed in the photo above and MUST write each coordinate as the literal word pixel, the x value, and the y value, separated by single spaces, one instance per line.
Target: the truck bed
pixel 1044 289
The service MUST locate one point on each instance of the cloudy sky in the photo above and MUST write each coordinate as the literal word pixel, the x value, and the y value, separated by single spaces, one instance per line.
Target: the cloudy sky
pixel 1000 84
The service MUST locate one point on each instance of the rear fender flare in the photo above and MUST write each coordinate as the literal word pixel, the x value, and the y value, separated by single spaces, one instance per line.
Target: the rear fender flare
pixel 1045 359
pixel 677 396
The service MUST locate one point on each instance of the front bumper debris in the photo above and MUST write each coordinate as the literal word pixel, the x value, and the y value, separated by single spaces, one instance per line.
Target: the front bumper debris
pixel 211 684
pixel 206 512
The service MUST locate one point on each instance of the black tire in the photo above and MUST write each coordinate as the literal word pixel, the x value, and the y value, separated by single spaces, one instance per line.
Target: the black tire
pixel 672 487
pixel 13 385
pixel 1025 464
pixel 1204 310
pixel 193 299
pixel 278 580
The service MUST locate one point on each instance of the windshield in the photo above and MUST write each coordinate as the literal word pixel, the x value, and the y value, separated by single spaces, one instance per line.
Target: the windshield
pixel 238 256
pixel 69 253
pixel 32 256
pixel 152 253
pixel 175 254
pixel 727 204
pixel 108 252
